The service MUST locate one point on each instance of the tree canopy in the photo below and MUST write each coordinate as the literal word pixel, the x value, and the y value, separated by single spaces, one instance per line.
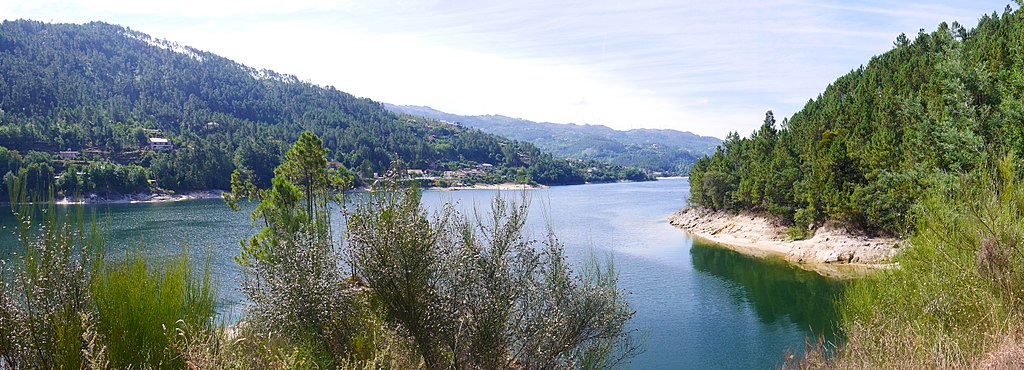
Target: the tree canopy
pixel 930 110
pixel 104 91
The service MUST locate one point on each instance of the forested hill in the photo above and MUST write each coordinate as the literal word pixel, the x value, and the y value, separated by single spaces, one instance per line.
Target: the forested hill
pixel 656 150
pixel 938 106
pixel 100 92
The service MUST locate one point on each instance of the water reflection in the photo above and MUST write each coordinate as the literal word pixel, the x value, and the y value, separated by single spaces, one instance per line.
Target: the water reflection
pixel 777 290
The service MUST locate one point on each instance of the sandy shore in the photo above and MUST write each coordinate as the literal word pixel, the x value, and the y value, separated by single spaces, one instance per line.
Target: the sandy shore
pixel 144 198
pixel 831 251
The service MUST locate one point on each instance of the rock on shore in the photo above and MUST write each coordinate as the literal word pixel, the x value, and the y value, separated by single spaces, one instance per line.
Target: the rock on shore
pixel 759 236
pixel 141 197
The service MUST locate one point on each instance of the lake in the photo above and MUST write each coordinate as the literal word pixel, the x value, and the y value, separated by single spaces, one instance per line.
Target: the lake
pixel 698 306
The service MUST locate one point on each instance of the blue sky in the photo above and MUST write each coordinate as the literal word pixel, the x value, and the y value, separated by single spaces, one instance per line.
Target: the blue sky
pixel 709 67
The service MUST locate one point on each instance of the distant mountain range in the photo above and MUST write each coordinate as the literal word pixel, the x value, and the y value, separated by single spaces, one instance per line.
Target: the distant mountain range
pixel 668 151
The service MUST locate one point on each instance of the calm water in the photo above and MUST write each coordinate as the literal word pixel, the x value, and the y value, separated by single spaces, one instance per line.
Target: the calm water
pixel 699 306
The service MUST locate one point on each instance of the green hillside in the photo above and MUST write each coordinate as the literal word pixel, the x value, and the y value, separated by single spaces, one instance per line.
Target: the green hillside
pixel 937 107
pixel 667 151
pixel 100 92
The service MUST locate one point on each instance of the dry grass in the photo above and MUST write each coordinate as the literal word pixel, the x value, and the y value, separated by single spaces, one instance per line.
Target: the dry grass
pixel 1009 354
pixel 955 301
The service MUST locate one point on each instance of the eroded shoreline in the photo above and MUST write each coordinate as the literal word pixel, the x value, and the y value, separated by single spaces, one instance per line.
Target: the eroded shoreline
pixel 142 198
pixel 832 252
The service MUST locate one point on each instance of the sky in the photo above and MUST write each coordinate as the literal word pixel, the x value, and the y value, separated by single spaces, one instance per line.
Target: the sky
pixel 709 67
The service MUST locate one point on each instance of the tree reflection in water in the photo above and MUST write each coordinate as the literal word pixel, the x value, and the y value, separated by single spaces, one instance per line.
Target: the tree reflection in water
pixel 776 289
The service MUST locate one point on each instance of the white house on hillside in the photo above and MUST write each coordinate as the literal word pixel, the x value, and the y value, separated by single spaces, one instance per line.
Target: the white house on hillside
pixel 159 143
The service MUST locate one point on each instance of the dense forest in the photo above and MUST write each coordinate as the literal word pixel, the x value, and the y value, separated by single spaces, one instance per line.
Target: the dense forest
pixel 668 152
pixel 937 107
pixel 79 104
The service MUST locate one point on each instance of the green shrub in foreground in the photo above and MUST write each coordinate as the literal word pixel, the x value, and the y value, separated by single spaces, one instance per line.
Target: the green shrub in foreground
pixel 64 306
pixel 475 292
pixel 140 304
pixel 44 302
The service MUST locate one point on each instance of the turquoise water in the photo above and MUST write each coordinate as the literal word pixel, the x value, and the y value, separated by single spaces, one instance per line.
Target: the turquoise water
pixel 698 306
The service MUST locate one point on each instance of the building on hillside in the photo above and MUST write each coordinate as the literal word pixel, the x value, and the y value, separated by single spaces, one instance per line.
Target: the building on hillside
pixel 414 173
pixel 159 143
pixel 68 154
pixel 94 152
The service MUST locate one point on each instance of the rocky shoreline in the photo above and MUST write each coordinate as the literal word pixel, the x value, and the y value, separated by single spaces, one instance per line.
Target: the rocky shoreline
pixel 142 198
pixel 503 186
pixel 832 251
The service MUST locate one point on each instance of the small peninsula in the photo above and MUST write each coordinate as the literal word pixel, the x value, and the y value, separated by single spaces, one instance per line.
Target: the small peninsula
pixel 831 251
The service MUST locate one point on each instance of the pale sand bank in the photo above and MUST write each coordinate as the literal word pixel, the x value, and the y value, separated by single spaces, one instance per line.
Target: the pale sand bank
pixel 831 251
pixel 143 198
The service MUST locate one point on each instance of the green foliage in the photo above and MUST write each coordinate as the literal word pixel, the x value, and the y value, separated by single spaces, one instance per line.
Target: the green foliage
pixel 959 286
pixel 292 278
pixel 864 151
pixel 64 306
pixel 45 308
pixel 547 170
pixel 297 201
pixel 260 159
pixel 102 177
pixel 202 165
pixel 220 115
pixel 141 304
pixel 477 294
pixel 436 293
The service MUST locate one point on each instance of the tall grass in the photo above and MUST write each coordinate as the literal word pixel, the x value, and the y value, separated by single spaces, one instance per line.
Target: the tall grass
pixel 140 305
pixel 44 292
pixel 958 288
pixel 63 305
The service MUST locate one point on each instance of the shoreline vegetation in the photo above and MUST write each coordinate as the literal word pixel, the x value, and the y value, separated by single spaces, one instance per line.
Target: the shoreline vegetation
pixel 831 251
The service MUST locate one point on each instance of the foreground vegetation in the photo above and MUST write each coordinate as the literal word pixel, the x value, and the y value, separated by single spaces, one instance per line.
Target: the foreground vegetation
pixel 956 300
pixel 65 305
pixel 407 290
pixel 864 151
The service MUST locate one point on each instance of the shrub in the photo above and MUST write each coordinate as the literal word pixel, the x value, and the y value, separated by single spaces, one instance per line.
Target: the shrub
pixel 478 294
pixel 139 304
pixel 436 292
pixel 300 294
pixel 62 306
pixel 958 288
pixel 44 300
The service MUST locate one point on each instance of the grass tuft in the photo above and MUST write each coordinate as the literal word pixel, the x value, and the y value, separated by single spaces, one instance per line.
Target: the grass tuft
pixel 140 306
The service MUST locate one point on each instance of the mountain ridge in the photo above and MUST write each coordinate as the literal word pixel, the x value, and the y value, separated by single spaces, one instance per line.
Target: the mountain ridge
pixel 79 103
pixel 661 150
